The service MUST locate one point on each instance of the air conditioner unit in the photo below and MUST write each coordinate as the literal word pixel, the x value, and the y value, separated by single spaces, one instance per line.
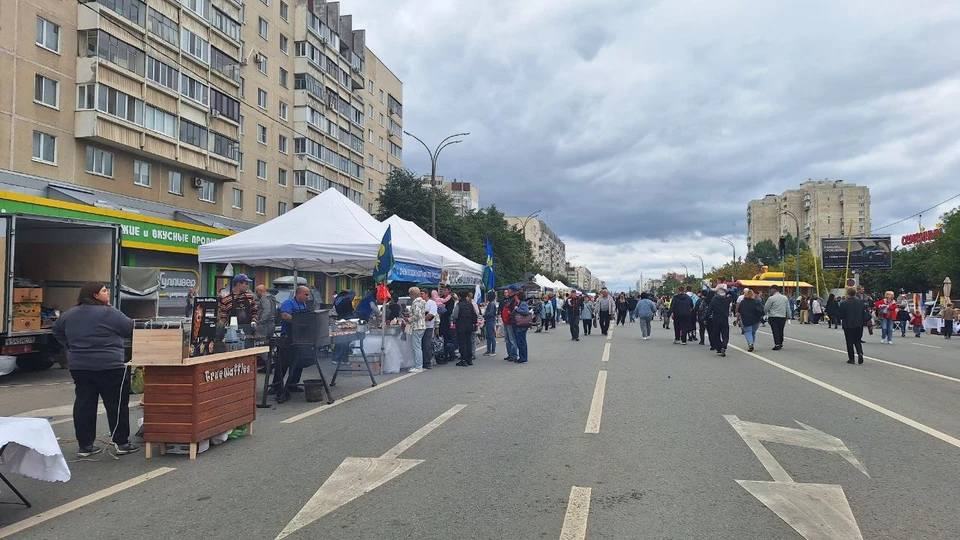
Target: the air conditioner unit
pixel 323 40
pixel 197 182
pixel 214 113
pixel 243 61
pixel 392 112
pixel 259 58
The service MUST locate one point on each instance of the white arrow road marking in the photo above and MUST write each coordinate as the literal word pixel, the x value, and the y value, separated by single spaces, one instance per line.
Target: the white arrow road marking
pixel 578 508
pixel 816 511
pixel 606 353
pixel 807 437
pixel 356 476
pixel 596 406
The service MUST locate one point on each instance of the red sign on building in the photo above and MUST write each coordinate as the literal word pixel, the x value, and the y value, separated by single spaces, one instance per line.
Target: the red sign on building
pixel 920 237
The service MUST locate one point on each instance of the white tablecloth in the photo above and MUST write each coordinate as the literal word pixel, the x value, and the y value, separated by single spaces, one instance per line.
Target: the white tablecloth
pixel 32 450
pixel 397 354
pixel 933 323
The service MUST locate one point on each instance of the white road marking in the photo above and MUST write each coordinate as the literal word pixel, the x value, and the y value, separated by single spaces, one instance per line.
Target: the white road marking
pixel 816 511
pixel 606 353
pixel 856 399
pixel 924 345
pixel 609 334
pixel 81 502
pixel 596 406
pixel 343 400
pixel 405 444
pixel 578 509
pixel 878 360
pixel 357 476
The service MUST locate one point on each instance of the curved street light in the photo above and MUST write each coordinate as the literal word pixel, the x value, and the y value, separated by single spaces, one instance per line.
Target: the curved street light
pixel 703 271
pixel 524 221
pixel 731 244
pixel 434 156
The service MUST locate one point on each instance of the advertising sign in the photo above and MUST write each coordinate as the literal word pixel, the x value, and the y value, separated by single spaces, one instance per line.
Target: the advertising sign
pixel 920 237
pixel 866 252
pixel 414 273
pixel 203 328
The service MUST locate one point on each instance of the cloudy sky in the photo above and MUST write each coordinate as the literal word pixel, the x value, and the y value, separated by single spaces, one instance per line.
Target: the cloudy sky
pixel 642 129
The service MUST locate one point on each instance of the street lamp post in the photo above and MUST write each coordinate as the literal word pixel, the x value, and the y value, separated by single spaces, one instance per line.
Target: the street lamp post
pixel 796 289
pixel 703 271
pixel 686 271
pixel 434 155
pixel 524 229
pixel 731 244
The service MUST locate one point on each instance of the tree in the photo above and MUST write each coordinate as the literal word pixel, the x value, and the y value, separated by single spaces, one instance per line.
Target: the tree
pixel 765 253
pixel 913 270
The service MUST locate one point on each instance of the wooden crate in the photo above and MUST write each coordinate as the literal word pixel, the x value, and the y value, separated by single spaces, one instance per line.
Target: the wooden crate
pixel 156 346
pixel 26 309
pixel 25 324
pixel 27 294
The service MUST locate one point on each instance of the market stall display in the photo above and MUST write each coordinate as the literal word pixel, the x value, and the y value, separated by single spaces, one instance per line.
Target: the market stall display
pixel 28 447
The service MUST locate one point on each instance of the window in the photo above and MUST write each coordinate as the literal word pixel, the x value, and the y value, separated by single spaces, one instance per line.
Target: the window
pixel 261 169
pixel 370 185
pixel 370 86
pixel 283 110
pixel 370 113
pixel 134 11
pixel 193 134
pixel 261 205
pixel 160 121
pixel 241 124
pixel 44 147
pixel 225 146
pixel 237 198
pixel 380 166
pixel 281 208
pixel 370 160
pixel 243 86
pixel 162 74
pixel 116 103
pixel 261 134
pixel 283 144
pixel 282 177
pixel 208 191
pixel 48 35
pixel 264 28
pixel 381 96
pixel 284 44
pixel 175 182
pixel 99 162
pixel 381 119
pixel 262 64
pixel 284 11
pixel 111 49
pixel 261 98
pixel 46 91
pixel 194 89
pixel 86 97
pixel 240 159
pixel 195 45
pixel 221 21
pixel 163 27
pixel 370 135
pixel 141 173
pixel 396 151
pixel 370 207
pixel 862 220
pixel 223 64
pixel 283 77
pixel 380 142
pixel 224 105
pixel 200 7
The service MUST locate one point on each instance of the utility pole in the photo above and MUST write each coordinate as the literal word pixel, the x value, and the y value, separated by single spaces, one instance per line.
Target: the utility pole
pixel 434 155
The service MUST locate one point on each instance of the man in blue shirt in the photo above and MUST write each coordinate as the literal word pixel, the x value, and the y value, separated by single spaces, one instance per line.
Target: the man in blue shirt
pixel 290 357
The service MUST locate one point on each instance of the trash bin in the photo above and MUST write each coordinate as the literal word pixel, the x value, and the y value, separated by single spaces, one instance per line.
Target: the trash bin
pixel 313 390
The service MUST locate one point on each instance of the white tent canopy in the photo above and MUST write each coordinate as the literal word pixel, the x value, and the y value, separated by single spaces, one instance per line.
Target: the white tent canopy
pixel 558 285
pixel 542 281
pixel 328 233
pixel 450 259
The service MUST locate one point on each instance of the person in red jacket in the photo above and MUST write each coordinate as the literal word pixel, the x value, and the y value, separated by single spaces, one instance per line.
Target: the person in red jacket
pixel 887 311
pixel 507 308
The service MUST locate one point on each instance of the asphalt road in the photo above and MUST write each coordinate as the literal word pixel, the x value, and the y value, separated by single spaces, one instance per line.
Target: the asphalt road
pixel 679 428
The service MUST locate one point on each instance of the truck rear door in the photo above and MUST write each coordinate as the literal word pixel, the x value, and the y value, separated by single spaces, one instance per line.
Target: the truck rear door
pixel 6 283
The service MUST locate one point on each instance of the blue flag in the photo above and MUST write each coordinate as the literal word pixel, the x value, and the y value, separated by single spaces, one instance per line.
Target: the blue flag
pixel 489 277
pixel 384 258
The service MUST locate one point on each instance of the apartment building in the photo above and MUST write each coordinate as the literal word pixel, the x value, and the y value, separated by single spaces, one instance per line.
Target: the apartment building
pixel 824 208
pixel 208 116
pixel 549 251
pixel 579 277
pixel 465 196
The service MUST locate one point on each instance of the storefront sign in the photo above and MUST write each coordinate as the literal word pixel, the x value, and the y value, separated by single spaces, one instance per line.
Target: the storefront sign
pixel 920 237
pixel 240 368
pixel 172 236
pixel 459 278
pixel 176 283
pixel 414 273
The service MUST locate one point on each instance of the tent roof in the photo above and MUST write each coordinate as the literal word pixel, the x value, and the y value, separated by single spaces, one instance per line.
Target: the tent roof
pixel 543 281
pixel 451 260
pixel 328 233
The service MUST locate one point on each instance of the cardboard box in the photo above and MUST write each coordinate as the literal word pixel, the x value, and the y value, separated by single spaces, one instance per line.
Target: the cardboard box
pixel 25 324
pixel 26 309
pixel 24 294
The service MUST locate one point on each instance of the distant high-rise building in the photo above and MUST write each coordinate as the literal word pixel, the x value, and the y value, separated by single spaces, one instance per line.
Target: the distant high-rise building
pixel 579 277
pixel 549 251
pixel 465 195
pixel 824 208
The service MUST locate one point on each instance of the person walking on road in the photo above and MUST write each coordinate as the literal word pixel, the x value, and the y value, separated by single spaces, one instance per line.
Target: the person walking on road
pixel 507 308
pixel 632 302
pixel 867 301
pixel 702 308
pixel 751 312
pixel 681 308
pixel 719 315
pixel 949 314
pixel 853 312
pixel 546 314
pixel 93 333
pixel 621 309
pixel 464 318
pixel 572 308
pixel 803 305
pixel 816 310
pixel 587 314
pixel 777 308
pixel 417 327
pixel 605 307
pixel 520 331
pixel 833 312
pixel 643 313
pixel 887 311
pixel 490 323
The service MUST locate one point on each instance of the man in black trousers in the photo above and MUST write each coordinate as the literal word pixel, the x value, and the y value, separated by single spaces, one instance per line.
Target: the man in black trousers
pixel 681 307
pixel 572 307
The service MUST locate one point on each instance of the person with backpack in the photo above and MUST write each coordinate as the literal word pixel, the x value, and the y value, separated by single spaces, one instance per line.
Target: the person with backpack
pixel 464 318
pixel 522 321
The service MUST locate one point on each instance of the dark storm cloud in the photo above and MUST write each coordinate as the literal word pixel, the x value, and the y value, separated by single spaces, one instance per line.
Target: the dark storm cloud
pixel 631 123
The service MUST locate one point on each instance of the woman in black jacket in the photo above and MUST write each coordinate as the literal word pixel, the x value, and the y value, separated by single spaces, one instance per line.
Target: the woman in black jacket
pixel 750 312
pixel 719 315
pixel 852 318
pixel 464 316
pixel 833 312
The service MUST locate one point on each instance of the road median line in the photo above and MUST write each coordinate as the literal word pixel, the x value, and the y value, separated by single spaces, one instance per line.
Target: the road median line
pixel 578 510
pixel 596 406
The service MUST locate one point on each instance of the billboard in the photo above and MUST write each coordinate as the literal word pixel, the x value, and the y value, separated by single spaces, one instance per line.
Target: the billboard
pixel 865 252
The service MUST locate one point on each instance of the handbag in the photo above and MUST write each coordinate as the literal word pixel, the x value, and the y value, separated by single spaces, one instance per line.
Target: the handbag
pixel 524 320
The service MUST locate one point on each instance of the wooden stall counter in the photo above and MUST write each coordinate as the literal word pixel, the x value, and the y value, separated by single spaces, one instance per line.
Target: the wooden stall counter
pixel 189 400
